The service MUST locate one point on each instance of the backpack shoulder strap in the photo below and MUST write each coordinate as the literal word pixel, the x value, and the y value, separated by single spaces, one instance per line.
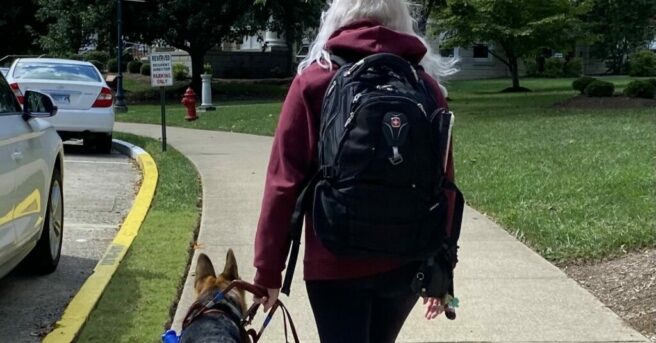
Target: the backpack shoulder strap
pixel 302 204
pixel 339 60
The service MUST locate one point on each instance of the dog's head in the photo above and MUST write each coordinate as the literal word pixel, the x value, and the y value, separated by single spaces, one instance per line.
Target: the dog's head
pixel 208 283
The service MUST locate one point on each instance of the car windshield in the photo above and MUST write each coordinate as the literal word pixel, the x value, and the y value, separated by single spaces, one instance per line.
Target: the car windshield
pixel 56 71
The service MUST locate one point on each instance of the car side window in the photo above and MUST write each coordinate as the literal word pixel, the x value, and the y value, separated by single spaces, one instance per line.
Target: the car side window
pixel 8 103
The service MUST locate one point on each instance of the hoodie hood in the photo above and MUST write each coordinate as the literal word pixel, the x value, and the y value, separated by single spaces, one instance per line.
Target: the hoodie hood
pixel 366 37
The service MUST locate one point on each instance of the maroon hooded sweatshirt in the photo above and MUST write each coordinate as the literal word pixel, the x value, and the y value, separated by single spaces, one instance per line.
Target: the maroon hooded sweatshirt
pixel 294 158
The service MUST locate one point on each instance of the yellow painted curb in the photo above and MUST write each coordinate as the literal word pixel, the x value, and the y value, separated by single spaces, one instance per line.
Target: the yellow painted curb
pixel 78 310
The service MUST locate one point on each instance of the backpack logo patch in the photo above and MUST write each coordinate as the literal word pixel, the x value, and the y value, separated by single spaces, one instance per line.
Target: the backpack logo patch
pixel 395 122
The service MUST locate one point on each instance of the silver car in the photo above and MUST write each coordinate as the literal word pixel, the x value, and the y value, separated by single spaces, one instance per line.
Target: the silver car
pixel 31 187
pixel 83 97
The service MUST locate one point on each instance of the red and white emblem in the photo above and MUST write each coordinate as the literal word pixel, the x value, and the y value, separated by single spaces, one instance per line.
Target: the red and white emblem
pixel 396 122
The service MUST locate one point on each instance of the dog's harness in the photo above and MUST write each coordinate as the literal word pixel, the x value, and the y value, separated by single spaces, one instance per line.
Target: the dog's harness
pixel 219 304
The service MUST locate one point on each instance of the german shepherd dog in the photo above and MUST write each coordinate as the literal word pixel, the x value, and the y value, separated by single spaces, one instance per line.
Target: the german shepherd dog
pixel 221 322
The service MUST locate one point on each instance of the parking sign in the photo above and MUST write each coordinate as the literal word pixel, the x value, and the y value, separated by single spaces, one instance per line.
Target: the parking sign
pixel 161 70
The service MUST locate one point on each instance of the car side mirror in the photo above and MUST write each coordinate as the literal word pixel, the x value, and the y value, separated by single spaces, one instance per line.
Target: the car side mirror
pixel 37 104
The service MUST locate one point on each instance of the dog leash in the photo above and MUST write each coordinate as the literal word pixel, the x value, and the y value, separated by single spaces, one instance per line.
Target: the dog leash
pixel 170 336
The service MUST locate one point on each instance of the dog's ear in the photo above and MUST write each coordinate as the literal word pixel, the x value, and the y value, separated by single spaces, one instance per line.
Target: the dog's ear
pixel 230 271
pixel 204 268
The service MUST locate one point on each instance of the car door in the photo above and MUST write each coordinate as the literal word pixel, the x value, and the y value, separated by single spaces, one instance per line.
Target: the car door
pixel 9 115
pixel 31 175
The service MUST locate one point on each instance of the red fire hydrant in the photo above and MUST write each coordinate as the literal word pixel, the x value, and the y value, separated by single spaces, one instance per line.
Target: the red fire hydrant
pixel 189 101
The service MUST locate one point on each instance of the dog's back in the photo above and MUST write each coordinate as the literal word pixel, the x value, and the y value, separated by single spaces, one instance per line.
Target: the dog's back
pixel 210 329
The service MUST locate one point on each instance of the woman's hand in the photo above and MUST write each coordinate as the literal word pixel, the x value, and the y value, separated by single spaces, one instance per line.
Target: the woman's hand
pixel 434 307
pixel 268 301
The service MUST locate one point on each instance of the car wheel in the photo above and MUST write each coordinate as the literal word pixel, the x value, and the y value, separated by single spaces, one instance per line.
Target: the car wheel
pixel 45 256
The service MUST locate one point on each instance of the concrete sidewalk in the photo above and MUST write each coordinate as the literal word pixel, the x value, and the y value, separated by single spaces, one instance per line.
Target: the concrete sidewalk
pixel 507 292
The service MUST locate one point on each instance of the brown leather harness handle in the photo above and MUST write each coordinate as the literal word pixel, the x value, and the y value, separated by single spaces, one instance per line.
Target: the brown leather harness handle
pixel 252 311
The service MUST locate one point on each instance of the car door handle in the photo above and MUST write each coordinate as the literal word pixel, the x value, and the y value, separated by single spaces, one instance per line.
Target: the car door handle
pixel 17 156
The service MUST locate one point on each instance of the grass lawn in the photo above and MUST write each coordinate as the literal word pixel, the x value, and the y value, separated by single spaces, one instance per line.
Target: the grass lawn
pixel 571 183
pixel 138 300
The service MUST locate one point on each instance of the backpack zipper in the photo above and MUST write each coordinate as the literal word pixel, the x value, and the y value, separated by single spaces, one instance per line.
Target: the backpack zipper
pixel 421 107
pixel 332 87
pixel 414 71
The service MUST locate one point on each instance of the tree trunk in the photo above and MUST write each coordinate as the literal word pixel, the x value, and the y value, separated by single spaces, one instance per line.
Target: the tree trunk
pixel 291 58
pixel 197 62
pixel 514 71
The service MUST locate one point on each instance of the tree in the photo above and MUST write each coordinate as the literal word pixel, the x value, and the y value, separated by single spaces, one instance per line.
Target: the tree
pixel 516 27
pixel 64 20
pixel 292 18
pixel 19 28
pixel 422 10
pixel 194 26
pixel 621 27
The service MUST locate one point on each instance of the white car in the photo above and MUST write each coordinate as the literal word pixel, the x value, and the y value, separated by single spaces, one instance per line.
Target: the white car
pixel 31 188
pixel 4 71
pixel 79 91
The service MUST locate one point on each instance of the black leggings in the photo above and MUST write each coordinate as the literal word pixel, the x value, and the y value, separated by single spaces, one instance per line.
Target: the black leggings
pixel 371 309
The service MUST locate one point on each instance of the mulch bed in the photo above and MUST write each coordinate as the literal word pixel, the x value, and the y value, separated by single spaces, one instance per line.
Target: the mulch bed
pixel 627 285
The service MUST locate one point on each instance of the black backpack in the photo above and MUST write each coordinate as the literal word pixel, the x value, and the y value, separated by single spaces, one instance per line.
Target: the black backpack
pixel 380 188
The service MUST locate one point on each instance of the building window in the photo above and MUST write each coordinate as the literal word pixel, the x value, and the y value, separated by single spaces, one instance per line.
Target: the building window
pixel 447 52
pixel 480 51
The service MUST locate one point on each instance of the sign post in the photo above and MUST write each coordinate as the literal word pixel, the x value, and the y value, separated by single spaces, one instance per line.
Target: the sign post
pixel 161 75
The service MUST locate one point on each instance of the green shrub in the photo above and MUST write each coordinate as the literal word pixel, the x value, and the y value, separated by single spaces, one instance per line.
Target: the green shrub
pixel 652 81
pixel 642 63
pixel 96 55
pixel 76 57
pixel 134 67
pixel 180 72
pixel 98 64
pixel 573 67
pixel 112 66
pixel 531 67
pixel 553 67
pixel 640 89
pixel 145 69
pixel 207 69
pixel 582 82
pixel 599 88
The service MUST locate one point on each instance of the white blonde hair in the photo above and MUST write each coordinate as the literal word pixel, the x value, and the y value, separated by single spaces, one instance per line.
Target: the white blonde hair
pixel 393 14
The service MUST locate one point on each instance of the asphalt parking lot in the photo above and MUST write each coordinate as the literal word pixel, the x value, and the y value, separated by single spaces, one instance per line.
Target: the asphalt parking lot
pixel 98 194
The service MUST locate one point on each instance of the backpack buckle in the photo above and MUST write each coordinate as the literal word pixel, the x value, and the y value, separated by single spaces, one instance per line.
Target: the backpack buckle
pixel 328 172
pixel 396 160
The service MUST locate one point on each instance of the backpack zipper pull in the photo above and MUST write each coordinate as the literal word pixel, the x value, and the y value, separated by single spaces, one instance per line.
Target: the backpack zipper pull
pixel 421 107
pixel 388 88
pixel 349 119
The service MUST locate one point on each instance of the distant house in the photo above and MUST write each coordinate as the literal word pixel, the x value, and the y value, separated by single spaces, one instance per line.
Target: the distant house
pixel 475 62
